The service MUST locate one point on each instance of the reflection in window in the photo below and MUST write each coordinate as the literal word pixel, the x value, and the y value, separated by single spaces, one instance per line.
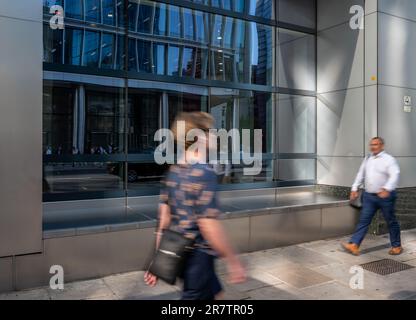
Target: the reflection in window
pixel 144 121
pixel 132 55
pixel 188 61
pixel 91 49
pixel 188 22
pixel 109 16
pixel 201 62
pixel 185 103
pixel 74 9
pixel 175 25
pixel 132 8
pixel 107 51
pixel 73 46
pixel 104 129
pixel 160 20
pixel 52 42
pixel 58 110
pixel 92 10
pixel 201 26
pixel 263 8
pixel 143 49
pixel 120 63
pixel 159 59
pixel 144 21
pixel 173 58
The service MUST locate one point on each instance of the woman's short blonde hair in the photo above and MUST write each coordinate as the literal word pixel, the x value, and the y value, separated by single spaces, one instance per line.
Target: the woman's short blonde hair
pixel 193 120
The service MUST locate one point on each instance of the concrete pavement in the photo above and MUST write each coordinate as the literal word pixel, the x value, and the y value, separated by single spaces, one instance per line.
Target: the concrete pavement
pixel 313 270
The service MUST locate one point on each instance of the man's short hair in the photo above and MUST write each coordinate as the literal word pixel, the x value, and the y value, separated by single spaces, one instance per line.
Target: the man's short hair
pixel 379 139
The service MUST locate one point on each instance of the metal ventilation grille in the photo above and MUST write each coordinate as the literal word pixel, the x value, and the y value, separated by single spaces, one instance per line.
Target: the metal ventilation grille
pixel 386 266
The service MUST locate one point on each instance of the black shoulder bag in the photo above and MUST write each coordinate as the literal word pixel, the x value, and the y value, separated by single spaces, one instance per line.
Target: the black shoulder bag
pixel 169 259
pixel 358 203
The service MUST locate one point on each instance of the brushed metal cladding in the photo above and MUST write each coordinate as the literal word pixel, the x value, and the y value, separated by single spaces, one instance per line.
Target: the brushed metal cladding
pixel 87 256
pixel 238 231
pixel 6 274
pixel 20 133
pixel 338 221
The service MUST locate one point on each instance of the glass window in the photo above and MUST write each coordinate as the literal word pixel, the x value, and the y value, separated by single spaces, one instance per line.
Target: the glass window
pixel 58 111
pixel 262 8
pixel 104 121
pixel 92 10
pixel 132 55
pixel 107 51
pixel 201 63
pixel 188 22
pixel 175 25
pixel 120 63
pixel 144 115
pixel 144 55
pixel 159 58
pixel 74 9
pixel 241 109
pixel 188 57
pixel 73 46
pixel 91 49
pixel 159 27
pixel 132 10
pixel 47 4
pixel 144 21
pixel 109 12
pixel 173 58
pixel 52 44
pixel 201 26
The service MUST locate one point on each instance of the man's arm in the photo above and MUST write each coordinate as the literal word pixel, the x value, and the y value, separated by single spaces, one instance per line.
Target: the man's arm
pixel 359 179
pixel 393 171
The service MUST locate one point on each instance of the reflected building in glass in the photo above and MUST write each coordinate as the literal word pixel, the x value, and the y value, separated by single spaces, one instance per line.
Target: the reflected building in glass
pixel 120 70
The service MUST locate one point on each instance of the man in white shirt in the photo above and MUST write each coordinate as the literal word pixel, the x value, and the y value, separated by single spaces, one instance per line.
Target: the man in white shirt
pixel 380 174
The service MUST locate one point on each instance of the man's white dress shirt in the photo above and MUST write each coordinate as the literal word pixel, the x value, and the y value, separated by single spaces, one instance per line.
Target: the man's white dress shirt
pixel 378 172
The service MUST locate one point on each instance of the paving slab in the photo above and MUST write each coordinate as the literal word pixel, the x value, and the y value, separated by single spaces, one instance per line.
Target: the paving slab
pixel 313 270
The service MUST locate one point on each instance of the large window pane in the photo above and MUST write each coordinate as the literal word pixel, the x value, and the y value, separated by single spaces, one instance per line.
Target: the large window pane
pixel 173 58
pixel 58 111
pixel 91 49
pixel 144 55
pixel 104 124
pixel 74 9
pixel 52 43
pixel 107 51
pixel 92 10
pixel 73 46
pixel 159 27
pixel 159 58
pixel 109 11
pixel 144 21
pixel 175 23
pixel 144 120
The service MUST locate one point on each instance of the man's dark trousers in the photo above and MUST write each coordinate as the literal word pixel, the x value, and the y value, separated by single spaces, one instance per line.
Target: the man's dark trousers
pixel 371 203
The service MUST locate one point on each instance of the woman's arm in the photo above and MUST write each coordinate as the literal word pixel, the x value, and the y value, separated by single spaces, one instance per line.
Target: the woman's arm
pixel 164 221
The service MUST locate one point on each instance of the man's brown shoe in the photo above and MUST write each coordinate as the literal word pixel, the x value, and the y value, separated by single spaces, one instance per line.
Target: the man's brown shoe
pixel 396 251
pixel 351 248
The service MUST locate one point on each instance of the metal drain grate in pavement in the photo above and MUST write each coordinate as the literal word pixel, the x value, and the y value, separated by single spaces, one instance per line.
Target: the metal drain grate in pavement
pixel 386 266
